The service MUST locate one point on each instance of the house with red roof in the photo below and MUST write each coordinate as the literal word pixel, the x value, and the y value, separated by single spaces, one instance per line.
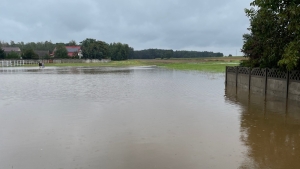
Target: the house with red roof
pixel 72 51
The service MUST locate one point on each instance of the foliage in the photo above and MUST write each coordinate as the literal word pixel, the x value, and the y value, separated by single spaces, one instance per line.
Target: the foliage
pixel 12 55
pixel 46 56
pixel 168 54
pixel 290 56
pixel 274 34
pixel 163 53
pixel 2 54
pixel 119 51
pixel 72 43
pixel 195 54
pixel 93 49
pixel 47 45
pixel 61 52
pixel 248 63
pixel 29 54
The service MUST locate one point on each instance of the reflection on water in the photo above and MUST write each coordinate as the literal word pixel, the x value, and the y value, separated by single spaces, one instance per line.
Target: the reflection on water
pixel 270 130
pixel 139 117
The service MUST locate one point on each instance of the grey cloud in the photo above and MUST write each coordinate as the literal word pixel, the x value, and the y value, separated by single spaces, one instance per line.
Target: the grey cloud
pixel 173 24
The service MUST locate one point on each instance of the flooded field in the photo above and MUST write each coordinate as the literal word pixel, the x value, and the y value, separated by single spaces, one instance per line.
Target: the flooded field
pixel 140 117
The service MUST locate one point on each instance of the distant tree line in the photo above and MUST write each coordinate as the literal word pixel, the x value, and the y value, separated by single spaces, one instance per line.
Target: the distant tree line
pixel 11 55
pixel 96 49
pixel 28 50
pixel 274 38
pixel 167 54
pixel 91 49
pixel 47 45
pixel 119 51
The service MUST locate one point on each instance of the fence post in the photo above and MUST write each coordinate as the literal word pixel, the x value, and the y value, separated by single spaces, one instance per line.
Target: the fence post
pixel 287 84
pixel 266 81
pixel 249 79
pixel 226 76
pixel 236 76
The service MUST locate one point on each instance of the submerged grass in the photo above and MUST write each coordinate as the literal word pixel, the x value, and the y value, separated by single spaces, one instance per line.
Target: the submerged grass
pixel 108 64
pixel 208 66
pixel 203 64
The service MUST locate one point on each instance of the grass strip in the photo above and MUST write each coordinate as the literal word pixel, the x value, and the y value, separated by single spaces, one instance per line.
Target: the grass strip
pixel 178 64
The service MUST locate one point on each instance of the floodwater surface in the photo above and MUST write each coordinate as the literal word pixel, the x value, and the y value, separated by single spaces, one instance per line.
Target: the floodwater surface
pixel 140 118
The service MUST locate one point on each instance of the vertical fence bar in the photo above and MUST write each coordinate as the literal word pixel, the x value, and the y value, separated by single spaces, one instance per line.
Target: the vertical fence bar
pixel 236 76
pixel 266 81
pixel 287 92
pixel 287 84
pixel 249 79
pixel 226 75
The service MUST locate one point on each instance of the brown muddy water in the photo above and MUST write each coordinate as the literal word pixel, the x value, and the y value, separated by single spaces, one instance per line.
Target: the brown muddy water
pixel 140 118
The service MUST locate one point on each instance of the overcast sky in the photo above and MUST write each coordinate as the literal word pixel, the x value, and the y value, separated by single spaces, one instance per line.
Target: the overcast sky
pixel 202 25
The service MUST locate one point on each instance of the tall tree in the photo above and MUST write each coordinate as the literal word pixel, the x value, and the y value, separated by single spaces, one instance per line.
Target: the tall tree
pixel 93 49
pixel 2 54
pixel 274 38
pixel 163 53
pixel 119 51
pixel 12 43
pixel 72 43
pixel 12 55
pixel 61 52
pixel 29 54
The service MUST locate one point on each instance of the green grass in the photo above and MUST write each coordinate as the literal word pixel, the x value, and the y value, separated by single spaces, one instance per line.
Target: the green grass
pixel 179 64
pixel 206 66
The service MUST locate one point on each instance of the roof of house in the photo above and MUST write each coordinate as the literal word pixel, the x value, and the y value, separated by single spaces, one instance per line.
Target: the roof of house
pixel 11 49
pixel 72 49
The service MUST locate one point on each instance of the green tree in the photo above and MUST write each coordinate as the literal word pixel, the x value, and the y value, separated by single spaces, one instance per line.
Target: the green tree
pixel 274 34
pixel 93 49
pixel 169 54
pixel 12 44
pixel 12 55
pixel 2 54
pixel 46 56
pixel 119 51
pixel 29 54
pixel 72 43
pixel 131 53
pixel 163 53
pixel 61 52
